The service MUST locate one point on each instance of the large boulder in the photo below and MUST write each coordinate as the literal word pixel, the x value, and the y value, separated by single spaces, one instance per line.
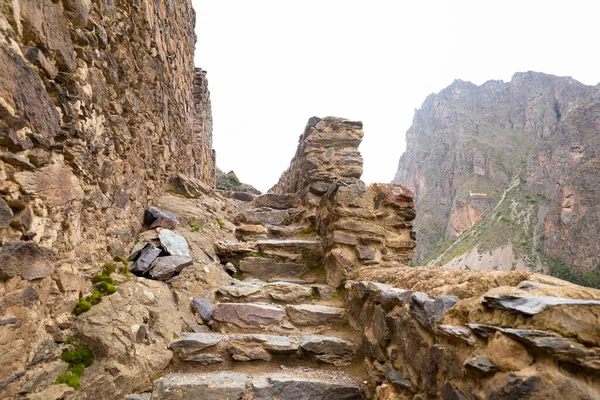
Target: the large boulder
pixel 125 359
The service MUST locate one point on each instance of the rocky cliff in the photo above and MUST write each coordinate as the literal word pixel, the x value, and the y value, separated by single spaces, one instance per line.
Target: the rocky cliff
pixel 506 175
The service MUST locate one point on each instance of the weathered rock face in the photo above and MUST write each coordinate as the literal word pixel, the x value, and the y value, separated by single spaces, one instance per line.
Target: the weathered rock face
pixel 500 340
pixel 99 105
pixel 513 167
pixel 327 153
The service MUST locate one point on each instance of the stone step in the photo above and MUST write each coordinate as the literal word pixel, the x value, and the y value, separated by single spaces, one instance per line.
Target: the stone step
pixel 267 215
pixel 252 290
pixel 202 349
pixel 297 384
pixel 295 251
pixel 275 317
pixel 248 232
pixel 278 201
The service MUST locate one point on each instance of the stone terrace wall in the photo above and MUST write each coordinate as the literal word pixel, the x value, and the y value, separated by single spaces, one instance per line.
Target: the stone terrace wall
pixel 364 226
pixel 96 110
pixel 327 153
pixel 508 342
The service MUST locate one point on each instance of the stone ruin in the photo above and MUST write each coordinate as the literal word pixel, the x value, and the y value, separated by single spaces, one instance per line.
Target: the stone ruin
pixel 302 293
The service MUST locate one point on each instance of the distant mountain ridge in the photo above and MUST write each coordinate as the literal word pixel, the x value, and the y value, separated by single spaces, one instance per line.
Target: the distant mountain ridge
pixel 506 176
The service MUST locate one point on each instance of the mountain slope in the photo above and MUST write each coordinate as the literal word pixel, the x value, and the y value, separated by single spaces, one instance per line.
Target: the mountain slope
pixel 506 175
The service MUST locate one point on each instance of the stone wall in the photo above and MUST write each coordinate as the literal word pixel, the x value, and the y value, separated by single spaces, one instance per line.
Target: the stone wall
pixel 203 154
pixel 537 339
pixel 327 153
pixel 364 226
pixel 99 106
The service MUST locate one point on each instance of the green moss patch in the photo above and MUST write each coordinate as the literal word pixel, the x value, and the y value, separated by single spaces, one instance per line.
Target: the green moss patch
pixel 104 285
pixel 79 359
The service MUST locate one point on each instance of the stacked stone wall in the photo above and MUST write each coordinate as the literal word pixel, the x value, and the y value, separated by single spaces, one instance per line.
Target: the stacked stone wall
pixel 505 343
pixel 99 106
pixel 365 226
pixel 327 153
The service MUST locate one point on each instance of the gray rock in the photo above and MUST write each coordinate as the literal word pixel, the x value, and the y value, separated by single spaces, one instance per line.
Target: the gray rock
pixel 277 201
pixel 449 392
pixel 25 259
pixel 174 244
pixel 324 291
pixel 288 387
pixel 205 308
pixel 310 314
pixel 146 258
pixel 204 359
pixel 481 365
pixel 427 311
pixel 17 161
pixel 532 305
pixel 387 295
pixel 6 214
pixel 241 289
pixel 195 342
pixel 366 253
pixel 397 378
pixel 531 285
pixel 10 321
pixel 229 267
pixel 380 329
pixel 266 268
pixel 189 187
pixel 248 314
pixel 163 268
pixel 137 249
pixel 329 346
pixel 154 218
pixel 135 397
pixel 217 386
pixel 280 344
pixel 459 332
pixel 288 292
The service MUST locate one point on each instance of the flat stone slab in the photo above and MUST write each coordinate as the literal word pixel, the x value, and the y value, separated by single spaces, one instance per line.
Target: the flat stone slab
pixel 195 342
pixel 217 386
pixel 561 348
pixel 163 268
pixel 292 387
pixel 266 268
pixel 459 332
pixel 277 201
pixel 174 244
pixel 146 258
pixel 310 314
pixel 319 344
pixel 241 289
pixel 532 305
pixel 288 292
pixel 295 385
pixel 204 359
pixel 248 314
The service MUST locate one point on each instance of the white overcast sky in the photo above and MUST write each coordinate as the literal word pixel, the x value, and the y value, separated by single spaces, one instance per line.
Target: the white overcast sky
pixel 272 64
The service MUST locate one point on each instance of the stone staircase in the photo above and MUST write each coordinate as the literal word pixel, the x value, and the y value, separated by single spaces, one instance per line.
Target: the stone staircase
pixel 278 331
